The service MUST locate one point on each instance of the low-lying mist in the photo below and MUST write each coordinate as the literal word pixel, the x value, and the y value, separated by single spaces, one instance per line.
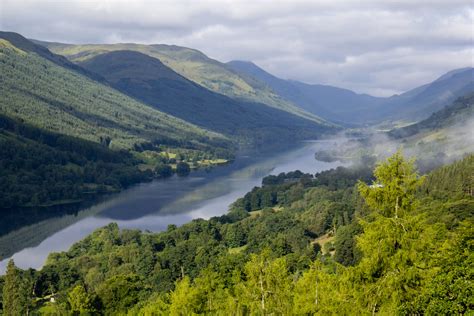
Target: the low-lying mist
pixel 430 148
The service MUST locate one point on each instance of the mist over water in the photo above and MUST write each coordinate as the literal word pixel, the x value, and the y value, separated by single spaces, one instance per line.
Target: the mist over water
pixel 430 149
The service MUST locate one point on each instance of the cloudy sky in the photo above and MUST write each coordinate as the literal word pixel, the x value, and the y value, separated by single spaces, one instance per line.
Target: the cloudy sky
pixel 379 47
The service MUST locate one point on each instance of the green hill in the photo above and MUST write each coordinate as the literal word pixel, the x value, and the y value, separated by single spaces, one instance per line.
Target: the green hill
pixel 54 98
pixel 193 65
pixel 454 115
pixel 28 46
pixel 41 168
pixel 147 79
pixel 446 135
pixel 65 137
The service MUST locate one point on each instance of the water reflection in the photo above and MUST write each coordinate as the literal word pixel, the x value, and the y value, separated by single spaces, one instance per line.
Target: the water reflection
pixel 153 206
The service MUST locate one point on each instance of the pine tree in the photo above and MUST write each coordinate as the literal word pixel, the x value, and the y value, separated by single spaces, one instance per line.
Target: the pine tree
pixel 80 301
pixel 397 243
pixel 184 299
pixel 267 288
pixel 15 292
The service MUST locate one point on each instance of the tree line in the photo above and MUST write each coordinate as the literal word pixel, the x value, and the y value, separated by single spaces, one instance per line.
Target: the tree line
pixel 402 244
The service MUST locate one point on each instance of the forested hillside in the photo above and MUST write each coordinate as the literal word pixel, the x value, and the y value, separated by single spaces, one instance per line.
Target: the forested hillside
pixel 65 137
pixel 38 167
pixel 147 79
pixel 456 114
pixel 28 46
pixel 54 98
pixel 343 241
pixel 195 66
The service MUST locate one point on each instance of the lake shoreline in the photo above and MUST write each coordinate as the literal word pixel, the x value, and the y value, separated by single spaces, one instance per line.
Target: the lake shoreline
pixel 154 205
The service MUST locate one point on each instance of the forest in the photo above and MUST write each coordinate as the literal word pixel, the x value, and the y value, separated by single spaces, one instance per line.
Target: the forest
pixel 343 241
pixel 42 168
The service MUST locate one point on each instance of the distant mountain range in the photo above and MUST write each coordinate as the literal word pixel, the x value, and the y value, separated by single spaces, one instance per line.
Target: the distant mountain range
pixel 194 66
pixel 342 105
pixel 244 81
pixel 147 79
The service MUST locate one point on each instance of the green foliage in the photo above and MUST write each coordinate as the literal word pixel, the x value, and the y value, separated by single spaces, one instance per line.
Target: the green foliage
pixel 345 244
pixel 80 301
pixel 267 285
pixel 16 291
pixel 393 192
pixel 450 291
pixel 182 169
pixel 163 170
pixel 120 293
pixel 38 167
pixel 60 100
pixel 394 261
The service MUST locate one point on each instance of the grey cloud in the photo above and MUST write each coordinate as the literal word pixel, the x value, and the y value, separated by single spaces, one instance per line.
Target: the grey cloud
pixel 378 47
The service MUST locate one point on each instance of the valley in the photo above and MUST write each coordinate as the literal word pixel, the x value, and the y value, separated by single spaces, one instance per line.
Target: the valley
pixel 153 206
pixel 152 179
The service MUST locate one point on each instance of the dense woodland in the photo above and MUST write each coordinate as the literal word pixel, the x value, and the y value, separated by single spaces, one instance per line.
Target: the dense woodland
pixel 40 168
pixel 343 241
pixel 57 99
pixel 65 138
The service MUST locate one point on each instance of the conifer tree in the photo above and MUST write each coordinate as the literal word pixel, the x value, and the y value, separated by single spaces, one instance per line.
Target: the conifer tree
pixel 397 243
pixel 15 292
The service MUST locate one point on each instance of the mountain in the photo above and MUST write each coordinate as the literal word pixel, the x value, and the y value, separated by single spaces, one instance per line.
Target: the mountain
pixel 193 65
pixel 44 94
pixel 147 79
pixel 329 102
pixel 421 102
pixel 457 114
pixel 23 44
pixel 65 137
pixel 342 105
pixel 444 136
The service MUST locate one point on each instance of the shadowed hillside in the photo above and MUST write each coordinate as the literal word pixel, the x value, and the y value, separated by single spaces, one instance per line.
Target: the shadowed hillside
pixel 147 79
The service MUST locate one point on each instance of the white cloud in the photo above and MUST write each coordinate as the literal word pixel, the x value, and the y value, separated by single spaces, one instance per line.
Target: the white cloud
pixel 379 47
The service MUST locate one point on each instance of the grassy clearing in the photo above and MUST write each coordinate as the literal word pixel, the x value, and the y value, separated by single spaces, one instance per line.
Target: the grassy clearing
pixel 237 250
pixel 325 241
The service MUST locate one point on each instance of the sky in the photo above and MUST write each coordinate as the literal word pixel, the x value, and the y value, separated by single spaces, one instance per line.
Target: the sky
pixel 379 47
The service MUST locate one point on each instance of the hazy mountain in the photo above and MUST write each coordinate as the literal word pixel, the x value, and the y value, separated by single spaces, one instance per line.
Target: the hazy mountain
pixel 444 136
pixel 329 102
pixel 421 102
pixel 193 65
pixel 455 115
pixel 149 80
pixel 343 105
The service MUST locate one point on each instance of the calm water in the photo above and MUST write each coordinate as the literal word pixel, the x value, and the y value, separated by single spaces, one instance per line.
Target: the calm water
pixel 153 206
